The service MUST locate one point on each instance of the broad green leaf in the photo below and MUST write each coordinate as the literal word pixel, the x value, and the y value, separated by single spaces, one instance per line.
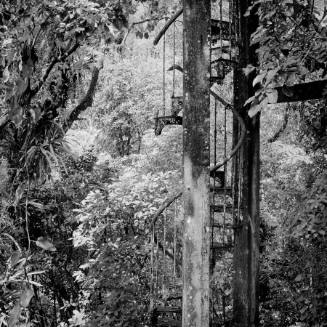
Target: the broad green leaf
pixel 15 257
pixel 254 110
pixel 14 315
pixel 37 205
pixel 270 76
pixel 6 42
pixel 26 297
pixel 249 69
pixel 298 278
pixel 249 100
pixel 45 244
pixel 258 79
pixel 14 241
pixel 6 75
pixel 19 193
pixel 272 95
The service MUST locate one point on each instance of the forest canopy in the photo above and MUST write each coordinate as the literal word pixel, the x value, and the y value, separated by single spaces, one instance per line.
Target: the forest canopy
pixel 83 176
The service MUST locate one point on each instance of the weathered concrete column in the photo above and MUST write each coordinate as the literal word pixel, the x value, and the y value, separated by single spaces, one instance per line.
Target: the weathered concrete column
pixel 196 118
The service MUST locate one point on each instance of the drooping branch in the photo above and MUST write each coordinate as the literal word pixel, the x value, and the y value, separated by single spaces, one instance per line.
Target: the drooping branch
pixel 282 128
pixel 164 206
pixel 87 101
pixel 141 22
pixel 30 93
pixel 56 60
pixel 165 28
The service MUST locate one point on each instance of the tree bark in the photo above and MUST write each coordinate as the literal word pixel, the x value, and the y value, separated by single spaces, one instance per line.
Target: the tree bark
pixel 85 103
pixel 247 168
pixel 196 246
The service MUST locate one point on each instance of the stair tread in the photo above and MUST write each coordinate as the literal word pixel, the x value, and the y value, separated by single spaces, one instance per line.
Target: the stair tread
pixel 168 309
pixel 226 59
pixel 219 225
pixel 161 122
pixel 219 245
pixel 221 190
pixel 217 173
pixel 216 79
pixel 215 29
pixel 172 119
pixel 220 208
pixel 166 322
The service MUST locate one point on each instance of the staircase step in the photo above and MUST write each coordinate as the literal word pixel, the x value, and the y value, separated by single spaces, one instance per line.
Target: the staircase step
pixel 161 122
pixel 217 173
pixel 168 309
pixel 225 59
pixel 221 45
pixel 174 296
pixel 171 120
pixel 169 322
pixel 225 26
pixel 216 79
pixel 221 246
pixel 220 208
pixel 176 282
pixel 223 226
pixel 221 190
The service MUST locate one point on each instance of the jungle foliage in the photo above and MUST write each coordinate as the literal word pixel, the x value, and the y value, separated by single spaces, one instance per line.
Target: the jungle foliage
pixel 82 173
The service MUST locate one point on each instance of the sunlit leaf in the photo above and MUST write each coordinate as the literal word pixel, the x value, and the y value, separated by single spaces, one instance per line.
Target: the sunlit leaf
pixel 45 244
pixel 14 315
pixel 249 69
pixel 254 109
pixel 272 95
pixel 298 278
pixel 26 297
pixel 6 75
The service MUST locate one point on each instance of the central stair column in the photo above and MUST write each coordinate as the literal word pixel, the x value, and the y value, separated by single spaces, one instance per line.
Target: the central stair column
pixel 196 157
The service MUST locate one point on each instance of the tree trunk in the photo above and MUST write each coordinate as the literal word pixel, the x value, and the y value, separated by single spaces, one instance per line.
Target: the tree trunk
pixel 246 251
pixel 196 164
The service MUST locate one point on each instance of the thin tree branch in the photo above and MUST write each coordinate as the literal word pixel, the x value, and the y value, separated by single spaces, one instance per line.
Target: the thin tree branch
pixel 32 92
pixel 146 20
pixel 4 119
pixel 138 23
pixel 87 101
pixel 164 206
pixel 63 57
pixel 165 28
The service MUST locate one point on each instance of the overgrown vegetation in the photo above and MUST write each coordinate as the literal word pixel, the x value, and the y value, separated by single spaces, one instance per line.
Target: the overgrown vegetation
pixel 82 173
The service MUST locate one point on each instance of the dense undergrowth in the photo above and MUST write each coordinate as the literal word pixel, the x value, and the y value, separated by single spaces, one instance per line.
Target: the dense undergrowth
pixel 76 207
